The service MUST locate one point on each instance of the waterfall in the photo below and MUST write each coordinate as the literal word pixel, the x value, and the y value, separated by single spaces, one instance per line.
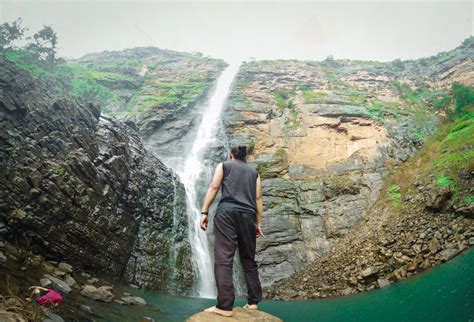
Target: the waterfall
pixel 191 172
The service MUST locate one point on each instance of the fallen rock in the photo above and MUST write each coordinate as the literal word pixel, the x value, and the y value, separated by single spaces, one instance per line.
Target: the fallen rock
pixel 370 271
pixel 99 294
pixel 92 280
pixel 347 291
pixel 53 318
pixel 449 253
pixel 240 314
pixel 58 284
pixel 45 282
pixel 70 281
pixel 146 319
pixel 382 282
pixel 133 300
pixel 65 267
pixel 434 245
pixel 436 198
pixel 13 302
pixel 86 308
pixel 59 273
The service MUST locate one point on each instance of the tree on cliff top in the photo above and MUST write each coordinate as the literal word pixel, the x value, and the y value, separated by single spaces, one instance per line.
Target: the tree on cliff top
pixel 44 45
pixel 42 49
pixel 10 33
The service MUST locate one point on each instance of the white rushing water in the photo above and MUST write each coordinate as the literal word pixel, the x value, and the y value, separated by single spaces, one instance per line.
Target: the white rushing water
pixel 191 172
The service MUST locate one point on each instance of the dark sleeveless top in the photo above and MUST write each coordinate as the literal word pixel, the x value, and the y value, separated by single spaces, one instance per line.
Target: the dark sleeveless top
pixel 238 187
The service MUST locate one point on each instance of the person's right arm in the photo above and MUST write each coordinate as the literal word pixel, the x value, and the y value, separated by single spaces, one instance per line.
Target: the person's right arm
pixel 259 207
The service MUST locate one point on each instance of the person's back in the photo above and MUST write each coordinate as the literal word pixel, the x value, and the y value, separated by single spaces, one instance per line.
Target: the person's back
pixel 238 187
pixel 236 225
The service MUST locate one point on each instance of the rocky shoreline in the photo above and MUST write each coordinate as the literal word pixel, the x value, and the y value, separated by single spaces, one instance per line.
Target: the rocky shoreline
pixel 80 290
pixel 385 249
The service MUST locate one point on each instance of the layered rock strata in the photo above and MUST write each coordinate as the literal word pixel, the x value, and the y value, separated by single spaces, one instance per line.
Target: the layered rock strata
pixel 80 187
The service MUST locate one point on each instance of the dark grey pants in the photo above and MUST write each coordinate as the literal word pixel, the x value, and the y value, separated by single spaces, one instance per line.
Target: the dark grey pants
pixel 234 229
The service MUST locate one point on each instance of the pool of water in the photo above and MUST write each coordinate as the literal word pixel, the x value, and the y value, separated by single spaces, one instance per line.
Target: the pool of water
pixel 444 293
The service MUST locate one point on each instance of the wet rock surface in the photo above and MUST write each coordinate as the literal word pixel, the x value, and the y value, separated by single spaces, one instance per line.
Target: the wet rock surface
pixel 79 187
pixel 239 315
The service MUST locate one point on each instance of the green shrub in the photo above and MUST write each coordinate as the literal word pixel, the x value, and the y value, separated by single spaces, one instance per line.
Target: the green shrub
pixel 464 97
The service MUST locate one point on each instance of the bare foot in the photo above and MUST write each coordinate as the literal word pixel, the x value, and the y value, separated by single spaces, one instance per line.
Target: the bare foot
pixel 251 306
pixel 216 310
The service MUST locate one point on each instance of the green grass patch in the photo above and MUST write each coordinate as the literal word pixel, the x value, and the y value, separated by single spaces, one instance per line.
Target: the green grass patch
pixel 312 97
pixel 57 170
pixel 444 181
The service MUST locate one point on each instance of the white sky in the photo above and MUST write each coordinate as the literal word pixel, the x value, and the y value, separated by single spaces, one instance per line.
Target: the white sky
pixel 235 30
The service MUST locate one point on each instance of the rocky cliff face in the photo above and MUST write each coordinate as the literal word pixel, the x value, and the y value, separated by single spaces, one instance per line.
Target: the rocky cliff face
pixel 80 187
pixel 157 90
pixel 324 134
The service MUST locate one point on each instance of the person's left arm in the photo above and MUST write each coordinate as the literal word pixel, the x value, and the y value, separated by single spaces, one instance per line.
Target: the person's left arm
pixel 211 194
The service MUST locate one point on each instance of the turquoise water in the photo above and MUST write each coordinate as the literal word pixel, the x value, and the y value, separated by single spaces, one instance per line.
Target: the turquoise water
pixel 444 293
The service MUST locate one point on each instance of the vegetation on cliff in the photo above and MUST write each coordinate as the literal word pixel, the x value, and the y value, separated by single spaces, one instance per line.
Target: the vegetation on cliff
pixel 147 86
pixel 326 135
pixel 423 218
pixel 446 161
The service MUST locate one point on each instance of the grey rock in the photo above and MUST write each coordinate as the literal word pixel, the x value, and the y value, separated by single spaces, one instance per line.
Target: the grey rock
pixel 434 245
pixel 13 302
pixel 70 281
pixel 133 300
pixel 383 282
pixel 99 294
pixel 45 282
pixel 146 319
pixel 369 272
pixel 86 308
pixel 58 284
pixel 52 317
pixel 65 267
pixel 437 197
pixel 93 280
pixel 3 258
pixel 449 253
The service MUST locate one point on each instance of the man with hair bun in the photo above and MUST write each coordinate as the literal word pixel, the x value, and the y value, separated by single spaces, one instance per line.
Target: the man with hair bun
pixel 236 225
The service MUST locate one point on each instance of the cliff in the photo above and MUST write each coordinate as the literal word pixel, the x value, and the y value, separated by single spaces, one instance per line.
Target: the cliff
pixel 156 90
pixel 78 186
pixel 325 135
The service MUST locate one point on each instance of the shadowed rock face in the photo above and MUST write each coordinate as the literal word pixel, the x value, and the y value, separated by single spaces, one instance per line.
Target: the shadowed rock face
pixel 80 187
pixel 324 134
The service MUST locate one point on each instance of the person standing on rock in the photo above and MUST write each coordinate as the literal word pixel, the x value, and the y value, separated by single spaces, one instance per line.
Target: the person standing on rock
pixel 236 225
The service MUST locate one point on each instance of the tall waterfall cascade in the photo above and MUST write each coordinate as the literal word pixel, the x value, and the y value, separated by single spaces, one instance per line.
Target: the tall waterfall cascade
pixel 189 175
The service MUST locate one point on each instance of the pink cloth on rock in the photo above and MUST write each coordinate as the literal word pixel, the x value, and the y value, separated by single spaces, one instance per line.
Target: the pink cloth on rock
pixel 50 297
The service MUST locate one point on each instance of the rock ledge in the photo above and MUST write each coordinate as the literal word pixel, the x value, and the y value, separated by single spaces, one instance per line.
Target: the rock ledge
pixel 239 315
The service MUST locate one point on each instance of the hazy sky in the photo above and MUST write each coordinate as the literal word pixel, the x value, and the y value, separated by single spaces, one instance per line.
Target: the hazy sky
pixel 234 30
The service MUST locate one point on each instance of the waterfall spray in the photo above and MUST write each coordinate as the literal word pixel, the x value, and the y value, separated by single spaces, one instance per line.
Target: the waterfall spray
pixel 193 168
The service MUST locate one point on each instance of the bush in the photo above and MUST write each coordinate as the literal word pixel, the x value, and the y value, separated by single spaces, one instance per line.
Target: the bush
pixel 464 97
